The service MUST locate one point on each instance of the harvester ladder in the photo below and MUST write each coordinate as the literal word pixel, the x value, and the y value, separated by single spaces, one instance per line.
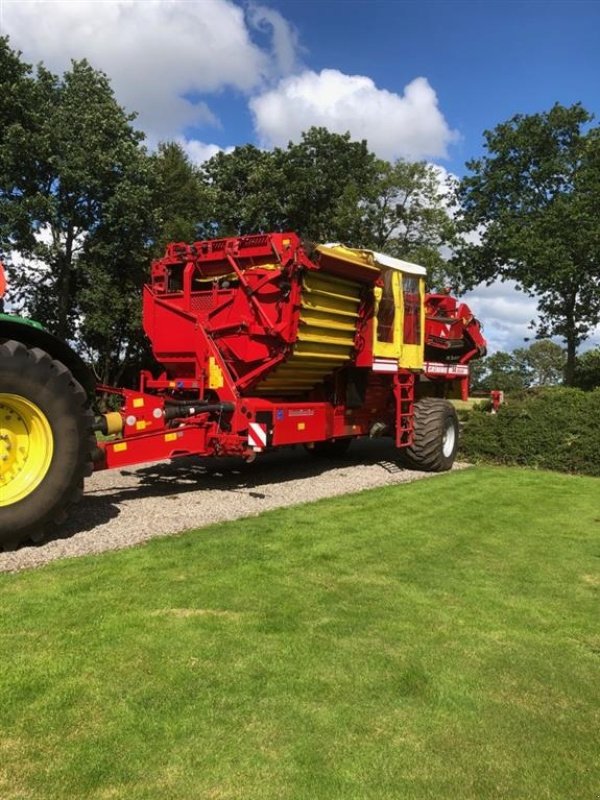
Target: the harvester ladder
pixel 404 392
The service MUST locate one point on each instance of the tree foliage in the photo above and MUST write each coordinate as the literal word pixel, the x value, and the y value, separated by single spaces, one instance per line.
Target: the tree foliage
pixel 74 176
pixel 247 194
pixel 543 362
pixel 329 177
pixel 499 371
pixel 182 201
pixel 587 369
pixel 315 187
pixel 540 364
pixel 409 216
pixel 330 188
pixel 546 429
pixel 533 200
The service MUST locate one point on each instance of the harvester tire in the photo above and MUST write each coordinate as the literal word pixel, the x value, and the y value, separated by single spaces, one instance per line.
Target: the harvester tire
pixel 332 448
pixel 46 443
pixel 435 440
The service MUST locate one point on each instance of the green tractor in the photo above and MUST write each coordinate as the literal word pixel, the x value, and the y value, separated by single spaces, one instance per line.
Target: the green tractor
pixel 46 428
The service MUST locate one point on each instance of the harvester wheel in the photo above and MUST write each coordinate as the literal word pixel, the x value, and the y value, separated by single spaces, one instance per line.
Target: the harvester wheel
pixel 332 448
pixel 435 439
pixel 46 442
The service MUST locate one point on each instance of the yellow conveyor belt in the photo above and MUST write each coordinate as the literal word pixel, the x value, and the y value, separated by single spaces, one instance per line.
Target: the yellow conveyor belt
pixel 327 327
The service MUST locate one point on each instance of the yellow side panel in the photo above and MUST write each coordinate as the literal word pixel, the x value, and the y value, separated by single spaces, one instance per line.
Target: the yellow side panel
pixel 389 349
pixel 362 258
pixel 412 355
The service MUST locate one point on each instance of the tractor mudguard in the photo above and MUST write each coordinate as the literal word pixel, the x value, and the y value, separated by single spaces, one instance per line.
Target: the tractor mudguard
pixel 32 334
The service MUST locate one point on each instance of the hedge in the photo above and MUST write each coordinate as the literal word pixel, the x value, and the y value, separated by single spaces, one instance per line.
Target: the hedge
pixel 557 429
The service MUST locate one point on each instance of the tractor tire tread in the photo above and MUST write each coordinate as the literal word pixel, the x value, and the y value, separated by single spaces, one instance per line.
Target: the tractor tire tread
pixel 56 379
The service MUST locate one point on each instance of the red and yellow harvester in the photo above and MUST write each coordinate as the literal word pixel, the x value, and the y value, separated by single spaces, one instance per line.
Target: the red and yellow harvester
pixel 264 343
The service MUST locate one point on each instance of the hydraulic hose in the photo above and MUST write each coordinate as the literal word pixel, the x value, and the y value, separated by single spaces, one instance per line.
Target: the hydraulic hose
pixel 109 424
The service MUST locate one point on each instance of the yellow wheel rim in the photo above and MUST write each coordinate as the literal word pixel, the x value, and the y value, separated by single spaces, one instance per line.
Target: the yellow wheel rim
pixel 26 448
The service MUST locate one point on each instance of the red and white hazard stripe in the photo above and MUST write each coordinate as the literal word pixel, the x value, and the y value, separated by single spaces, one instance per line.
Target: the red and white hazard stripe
pixel 257 435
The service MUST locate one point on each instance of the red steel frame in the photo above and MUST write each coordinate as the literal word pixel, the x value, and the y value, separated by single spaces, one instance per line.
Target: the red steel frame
pixel 222 315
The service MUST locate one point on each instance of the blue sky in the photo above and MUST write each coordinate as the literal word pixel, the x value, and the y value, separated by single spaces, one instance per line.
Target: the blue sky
pixel 486 61
pixel 417 79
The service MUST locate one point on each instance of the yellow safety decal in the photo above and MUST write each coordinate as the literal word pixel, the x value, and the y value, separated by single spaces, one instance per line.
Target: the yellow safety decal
pixel 172 384
pixel 301 426
pixel 215 374
pixel 170 437
pixel 138 402
pixel 120 447
pixel 141 425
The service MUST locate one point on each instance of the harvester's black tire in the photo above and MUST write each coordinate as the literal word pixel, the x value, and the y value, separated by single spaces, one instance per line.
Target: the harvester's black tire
pixel 332 448
pixel 435 439
pixel 32 374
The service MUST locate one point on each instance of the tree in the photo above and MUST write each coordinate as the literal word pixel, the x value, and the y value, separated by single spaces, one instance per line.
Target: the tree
pixel 21 104
pixel 533 201
pixel 114 265
pixel 182 199
pixel 246 192
pixel 327 178
pixel 316 187
pixel 500 371
pixel 543 362
pixel 477 376
pixel 170 203
pixel 17 109
pixel 330 188
pixel 76 197
pixel 410 217
pixel 587 370
pixel 63 168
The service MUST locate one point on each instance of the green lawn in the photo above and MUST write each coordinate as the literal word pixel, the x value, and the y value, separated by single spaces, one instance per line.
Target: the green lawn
pixel 470 404
pixel 434 640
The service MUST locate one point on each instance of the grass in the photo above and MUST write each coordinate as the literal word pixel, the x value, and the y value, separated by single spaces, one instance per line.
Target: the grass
pixel 470 404
pixel 433 640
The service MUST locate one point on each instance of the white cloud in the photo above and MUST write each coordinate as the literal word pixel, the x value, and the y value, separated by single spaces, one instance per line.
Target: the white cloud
pixel 154 52
pixel 286 44
pixel 165 56
pixel 505 313
pixel 408 125
pixel 198 151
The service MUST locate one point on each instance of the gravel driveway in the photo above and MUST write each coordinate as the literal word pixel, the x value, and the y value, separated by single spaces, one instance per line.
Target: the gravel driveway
pixel 125 507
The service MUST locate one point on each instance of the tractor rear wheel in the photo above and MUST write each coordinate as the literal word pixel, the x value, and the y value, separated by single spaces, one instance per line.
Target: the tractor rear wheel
pixel 435 439
pixel 46 442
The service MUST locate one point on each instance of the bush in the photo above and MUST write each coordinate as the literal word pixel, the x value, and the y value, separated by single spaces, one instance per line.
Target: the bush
pixel 556 429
